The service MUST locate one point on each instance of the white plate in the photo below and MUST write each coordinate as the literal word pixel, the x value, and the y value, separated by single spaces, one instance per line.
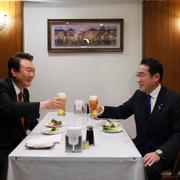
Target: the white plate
pixel 40 147
pixel 107 123
pixel 49 132
pixel 39 143
pixel 113 130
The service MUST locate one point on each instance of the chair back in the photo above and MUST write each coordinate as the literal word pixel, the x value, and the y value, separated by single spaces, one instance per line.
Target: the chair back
pixel 174 174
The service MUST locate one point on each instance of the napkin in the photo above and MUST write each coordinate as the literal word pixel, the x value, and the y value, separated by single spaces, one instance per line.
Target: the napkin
pixel 43 142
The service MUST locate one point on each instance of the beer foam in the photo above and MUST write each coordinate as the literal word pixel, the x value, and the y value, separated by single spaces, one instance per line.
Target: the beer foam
pixel 94 97
pixel 61 95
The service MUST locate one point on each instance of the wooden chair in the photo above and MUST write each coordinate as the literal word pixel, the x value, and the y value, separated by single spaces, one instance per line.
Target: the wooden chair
pixel 174 174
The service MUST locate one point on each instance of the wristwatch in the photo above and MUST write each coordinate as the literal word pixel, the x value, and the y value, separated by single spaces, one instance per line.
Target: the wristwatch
pixel 159 152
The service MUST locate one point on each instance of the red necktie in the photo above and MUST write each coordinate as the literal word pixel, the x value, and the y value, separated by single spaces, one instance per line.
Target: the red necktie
pixel 20 100
pixel 20 97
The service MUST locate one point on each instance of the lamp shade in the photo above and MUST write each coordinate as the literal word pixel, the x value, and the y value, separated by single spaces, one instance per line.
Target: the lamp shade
pixel 3 21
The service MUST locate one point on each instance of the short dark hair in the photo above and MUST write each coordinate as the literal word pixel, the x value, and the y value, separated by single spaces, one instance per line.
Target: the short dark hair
pixel 154 66
pixel 14 61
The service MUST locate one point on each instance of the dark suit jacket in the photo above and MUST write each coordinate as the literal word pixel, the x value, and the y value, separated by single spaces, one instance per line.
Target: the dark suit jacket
pixel 11 129
pixel 163 130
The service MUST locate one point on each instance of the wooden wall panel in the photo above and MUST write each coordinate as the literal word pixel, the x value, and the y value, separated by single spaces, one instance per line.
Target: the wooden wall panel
pixel 161 37
pixel 11 40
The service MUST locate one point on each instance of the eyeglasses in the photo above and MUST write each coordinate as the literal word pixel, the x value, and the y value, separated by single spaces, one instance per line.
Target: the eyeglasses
pixel 141 76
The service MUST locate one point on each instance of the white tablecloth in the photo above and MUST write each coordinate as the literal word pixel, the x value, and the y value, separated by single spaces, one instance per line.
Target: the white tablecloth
pixel 114 156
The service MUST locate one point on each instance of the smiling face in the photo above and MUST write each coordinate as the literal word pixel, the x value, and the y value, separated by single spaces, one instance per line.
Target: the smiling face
pixel 147 82
pixel 25 75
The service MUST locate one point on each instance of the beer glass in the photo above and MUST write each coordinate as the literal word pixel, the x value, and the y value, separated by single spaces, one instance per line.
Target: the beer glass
pixel 93 103
pixel 62 97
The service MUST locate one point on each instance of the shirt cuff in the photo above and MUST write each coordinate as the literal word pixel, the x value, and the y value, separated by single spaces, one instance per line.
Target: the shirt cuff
pixel 101 112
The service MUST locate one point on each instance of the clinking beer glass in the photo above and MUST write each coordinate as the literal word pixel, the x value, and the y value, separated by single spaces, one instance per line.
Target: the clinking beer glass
pixel 62 97
pixel 93 103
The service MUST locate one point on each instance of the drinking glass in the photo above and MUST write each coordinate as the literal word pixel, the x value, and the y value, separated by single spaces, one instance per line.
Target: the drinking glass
pixel 78 106
pixel 93 103
pixel 62 97
pixel 74 135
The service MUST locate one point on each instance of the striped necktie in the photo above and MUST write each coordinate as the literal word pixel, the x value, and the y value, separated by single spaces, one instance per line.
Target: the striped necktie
pixel 148 106
pixel 20 97
pixel 20 100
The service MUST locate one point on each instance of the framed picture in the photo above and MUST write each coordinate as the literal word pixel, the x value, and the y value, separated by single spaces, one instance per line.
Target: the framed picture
pixel 85 35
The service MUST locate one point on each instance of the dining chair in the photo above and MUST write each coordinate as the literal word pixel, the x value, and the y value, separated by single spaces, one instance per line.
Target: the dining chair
pixel 173 174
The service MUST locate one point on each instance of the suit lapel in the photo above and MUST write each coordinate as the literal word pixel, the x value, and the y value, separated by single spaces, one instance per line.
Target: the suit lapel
pixel 11 89
pixel 142 109
pixel 14 97
pixel 26 95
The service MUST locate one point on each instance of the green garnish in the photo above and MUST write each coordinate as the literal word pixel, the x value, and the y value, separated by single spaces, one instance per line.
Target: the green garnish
pixel 53 129
pixel 54 120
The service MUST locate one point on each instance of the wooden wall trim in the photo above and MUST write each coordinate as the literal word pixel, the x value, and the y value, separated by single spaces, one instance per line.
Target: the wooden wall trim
pixel 161 37
pixel 11 40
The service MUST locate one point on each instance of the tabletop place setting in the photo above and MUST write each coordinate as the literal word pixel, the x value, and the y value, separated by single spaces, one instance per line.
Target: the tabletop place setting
pixel 77 142
pixel 78 132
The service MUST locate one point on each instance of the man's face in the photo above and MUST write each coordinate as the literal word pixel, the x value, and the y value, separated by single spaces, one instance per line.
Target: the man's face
pixel 147 82
pixel 26 73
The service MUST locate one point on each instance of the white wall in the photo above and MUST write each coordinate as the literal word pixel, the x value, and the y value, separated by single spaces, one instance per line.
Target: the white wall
pixel 108 75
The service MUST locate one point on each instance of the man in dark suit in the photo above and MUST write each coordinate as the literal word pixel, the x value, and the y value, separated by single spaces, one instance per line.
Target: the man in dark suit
pixel 157 116
pixel 16 117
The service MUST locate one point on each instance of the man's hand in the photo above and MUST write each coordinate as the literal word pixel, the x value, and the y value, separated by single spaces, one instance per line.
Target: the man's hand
pixel 54 103
pixel 150 159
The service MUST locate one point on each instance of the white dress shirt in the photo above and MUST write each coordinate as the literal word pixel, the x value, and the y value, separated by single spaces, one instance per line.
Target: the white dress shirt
pixel 154 94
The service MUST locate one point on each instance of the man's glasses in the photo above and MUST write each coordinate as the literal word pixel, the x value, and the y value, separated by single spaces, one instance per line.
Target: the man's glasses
pixel 141 76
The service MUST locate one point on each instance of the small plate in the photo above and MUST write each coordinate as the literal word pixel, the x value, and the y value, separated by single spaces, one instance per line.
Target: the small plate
pixel 40 147
pixel 51 125
pixel 39 143
pixel 113 130
pixel 48 131
pixel 106 123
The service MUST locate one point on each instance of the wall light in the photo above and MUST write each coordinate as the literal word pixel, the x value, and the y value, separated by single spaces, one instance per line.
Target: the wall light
pixel 3 21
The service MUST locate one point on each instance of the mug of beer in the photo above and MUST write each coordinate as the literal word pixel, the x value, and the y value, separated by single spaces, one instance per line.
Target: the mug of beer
pixel 93 103
pixel 62 97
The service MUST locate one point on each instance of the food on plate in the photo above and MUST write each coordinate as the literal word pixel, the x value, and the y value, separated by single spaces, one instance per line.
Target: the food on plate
pixel 51 130
pixel 55 122
pixel 111 126
pixel 108 125
pixel 112 130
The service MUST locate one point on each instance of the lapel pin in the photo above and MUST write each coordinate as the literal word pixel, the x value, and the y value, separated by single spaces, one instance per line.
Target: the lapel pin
pixel 160 106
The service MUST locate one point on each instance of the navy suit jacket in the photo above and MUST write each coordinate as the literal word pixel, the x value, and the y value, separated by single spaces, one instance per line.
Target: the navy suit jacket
pixel 163 129
pixel 11 129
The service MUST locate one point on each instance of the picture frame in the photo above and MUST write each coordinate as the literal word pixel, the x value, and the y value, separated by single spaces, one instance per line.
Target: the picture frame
pixel 85 35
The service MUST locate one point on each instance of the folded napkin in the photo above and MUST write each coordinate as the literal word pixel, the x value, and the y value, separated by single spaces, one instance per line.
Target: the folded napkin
pixel 43 142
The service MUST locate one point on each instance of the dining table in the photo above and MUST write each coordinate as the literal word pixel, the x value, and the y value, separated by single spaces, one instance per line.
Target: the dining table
pixel 112 157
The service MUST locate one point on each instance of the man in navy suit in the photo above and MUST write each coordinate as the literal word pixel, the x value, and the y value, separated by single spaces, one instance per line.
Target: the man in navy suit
pixel 17 117
pixel 158 131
